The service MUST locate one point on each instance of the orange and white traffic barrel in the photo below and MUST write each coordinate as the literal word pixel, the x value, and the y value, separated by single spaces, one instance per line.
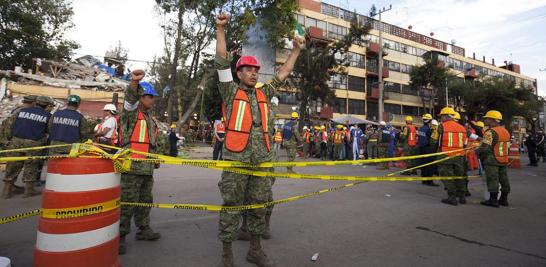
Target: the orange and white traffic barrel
pixel 80 214
pixel 514 156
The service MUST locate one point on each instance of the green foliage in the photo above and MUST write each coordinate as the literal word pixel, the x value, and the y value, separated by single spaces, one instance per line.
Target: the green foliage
pixel 30 29
pixel 430 76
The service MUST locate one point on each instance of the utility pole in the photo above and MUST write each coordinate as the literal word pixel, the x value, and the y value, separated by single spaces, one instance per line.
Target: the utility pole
pixel 380 61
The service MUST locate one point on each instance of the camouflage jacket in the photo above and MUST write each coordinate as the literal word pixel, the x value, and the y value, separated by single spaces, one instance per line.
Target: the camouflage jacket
pixel 490 139
pixel 255 151
pixel 129 115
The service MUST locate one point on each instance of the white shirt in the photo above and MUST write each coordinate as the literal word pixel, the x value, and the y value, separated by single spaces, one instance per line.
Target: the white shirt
pixel 111 124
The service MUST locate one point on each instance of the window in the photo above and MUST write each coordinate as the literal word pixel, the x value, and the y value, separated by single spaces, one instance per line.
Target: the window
pixel 329 10
pixel 346 15
pixel 340 105
pixel 406 89
pixel 393 109
pixel 356 60
pixel 372 110
pixel 356 83
pixel 405 68
pixel 321 24
pixel 310 22
pixel 372 65
pixel 394 66
pixel 356 106
pixel 391 87
pixel 301 19
pixel 336 32
pixel 338 81
pixel 409 110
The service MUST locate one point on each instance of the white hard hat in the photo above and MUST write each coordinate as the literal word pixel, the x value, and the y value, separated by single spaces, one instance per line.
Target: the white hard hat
pixel 434 122
pixel 110 107
pixel 382 123
pixel 305 127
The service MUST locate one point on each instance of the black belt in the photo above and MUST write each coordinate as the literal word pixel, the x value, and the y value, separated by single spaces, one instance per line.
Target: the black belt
pixel 257 124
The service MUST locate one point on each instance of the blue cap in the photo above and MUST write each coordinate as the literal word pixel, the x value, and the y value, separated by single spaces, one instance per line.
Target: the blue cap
pixel 148 89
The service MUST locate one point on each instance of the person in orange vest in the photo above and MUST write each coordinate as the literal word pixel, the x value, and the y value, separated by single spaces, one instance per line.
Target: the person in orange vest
pixel 306 141
pixel 409 138
pixel 277 139
pixel 139 131
pixel 107 131
pixel 247 114
pixel 338 137
pixel 452 137
pixel 219 134
pixel 494 152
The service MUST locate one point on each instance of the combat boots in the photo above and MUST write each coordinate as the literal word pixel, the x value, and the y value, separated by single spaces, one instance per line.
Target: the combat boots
pixel 29 190
pixel 492 201
pixel 8 190
pixel 122 247
pixel 267 232
pixel 450 200
pixel 146 233
pixel 256 255
pixel 503 201
pixel 227 254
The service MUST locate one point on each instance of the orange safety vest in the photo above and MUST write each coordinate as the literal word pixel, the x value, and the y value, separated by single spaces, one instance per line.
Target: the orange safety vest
pixel 453 138
pixel 324 136
pixel 338 137
pixel 278 137
pixel 502 146
pixel 307 137
pixel 221 127
pixel 412 135
pixel 140 138
pixel 240 121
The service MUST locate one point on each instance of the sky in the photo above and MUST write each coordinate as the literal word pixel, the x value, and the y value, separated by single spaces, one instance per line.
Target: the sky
pixel 500 29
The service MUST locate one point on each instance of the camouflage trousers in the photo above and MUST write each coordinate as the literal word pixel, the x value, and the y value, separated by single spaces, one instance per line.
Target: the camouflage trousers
pixel 410 151
pixel 30 167
pixel 291 150
pixel 337 151
pixel 306 148
pixel 497 175
pixel 383 152
pixel 135 188
pixel 238 189
pixel 453 167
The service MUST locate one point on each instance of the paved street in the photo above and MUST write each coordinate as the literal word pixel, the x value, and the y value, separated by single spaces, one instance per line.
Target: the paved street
pixel 372 224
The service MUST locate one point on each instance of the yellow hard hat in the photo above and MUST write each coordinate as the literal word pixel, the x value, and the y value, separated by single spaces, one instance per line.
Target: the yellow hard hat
pixel 447 111
pixel 322 127
pixel 480 124
pixel 493 114
pixel 173 126
pixel 340 126
pixel 295 115
pixel 427 116
pixel 457 116
pixel 409 118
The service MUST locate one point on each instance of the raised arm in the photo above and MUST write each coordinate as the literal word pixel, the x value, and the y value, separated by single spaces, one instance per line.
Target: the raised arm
pixel 221 48
pixel 288 66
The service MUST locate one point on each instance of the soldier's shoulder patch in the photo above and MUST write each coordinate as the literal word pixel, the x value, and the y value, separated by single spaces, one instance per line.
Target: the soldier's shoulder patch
pixel 488 138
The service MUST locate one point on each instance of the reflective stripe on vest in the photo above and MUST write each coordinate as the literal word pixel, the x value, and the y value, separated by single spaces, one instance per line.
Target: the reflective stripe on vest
pixel 306 137
pixel 338 137
pixel 502 146
pixel 453 138
pixel 412 140
pixel 240 121
pixel 140 138
pixel 278 137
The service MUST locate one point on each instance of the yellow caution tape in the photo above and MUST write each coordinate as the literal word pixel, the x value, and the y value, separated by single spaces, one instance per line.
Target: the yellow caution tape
pixel 33 148
pixel 81 211
pixel 20 216
pixel 205 207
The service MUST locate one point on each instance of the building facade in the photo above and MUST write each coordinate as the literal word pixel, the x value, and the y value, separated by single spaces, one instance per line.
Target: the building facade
pixel 357 90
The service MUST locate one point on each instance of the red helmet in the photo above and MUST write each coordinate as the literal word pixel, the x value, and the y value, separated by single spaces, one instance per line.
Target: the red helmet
pixel 247 61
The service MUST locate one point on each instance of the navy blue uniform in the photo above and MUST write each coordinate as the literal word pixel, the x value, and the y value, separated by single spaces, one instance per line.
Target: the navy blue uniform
pixel 31 123
pixel 66 126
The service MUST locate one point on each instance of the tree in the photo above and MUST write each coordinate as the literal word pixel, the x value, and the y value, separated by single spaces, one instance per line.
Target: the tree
pixel 30 29
pixel 118 53
pixel 319 62
pixel 276 18
pixel 429 80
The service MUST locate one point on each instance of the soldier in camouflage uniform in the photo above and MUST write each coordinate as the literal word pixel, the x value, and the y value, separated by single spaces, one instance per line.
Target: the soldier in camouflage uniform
pixel 139 131
pixel 246 140
pixel 494 154
pixel 452 136
pixel 28 129
pixel 290 139
pixel 408 137
pixel 383 142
